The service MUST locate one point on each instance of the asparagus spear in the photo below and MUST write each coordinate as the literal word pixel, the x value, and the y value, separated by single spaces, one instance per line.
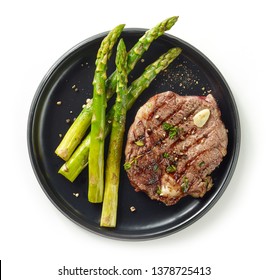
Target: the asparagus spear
pixel 78 161
pixel 75 133
pixel 143 44
pixel 110 200
pixel 99 103
pixel 79 127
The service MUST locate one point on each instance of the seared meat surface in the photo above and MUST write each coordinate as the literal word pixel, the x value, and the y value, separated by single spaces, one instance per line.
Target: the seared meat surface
pixel 173 146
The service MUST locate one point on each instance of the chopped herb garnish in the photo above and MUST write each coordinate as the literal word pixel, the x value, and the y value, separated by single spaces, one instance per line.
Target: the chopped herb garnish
pixel 173 132
pixel 171 168
pixel 185 185
pixel 139 143
pixel 155 168
pixel 127 165
pixel 165 155
pixel 201 163
pixel 167 126
pixel 171 129
pixel 159 191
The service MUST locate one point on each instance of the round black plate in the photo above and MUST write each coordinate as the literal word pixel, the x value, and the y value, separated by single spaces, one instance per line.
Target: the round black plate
pixel 190 74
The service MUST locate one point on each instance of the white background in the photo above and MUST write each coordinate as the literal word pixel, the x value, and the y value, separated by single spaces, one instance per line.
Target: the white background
pixel 35 238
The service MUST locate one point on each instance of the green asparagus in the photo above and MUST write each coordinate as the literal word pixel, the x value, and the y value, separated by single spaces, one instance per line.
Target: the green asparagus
pixel 110 200
pixel 78 161
pixel 75 133
pixel 136 52
pixel 78 129
pixel 99 103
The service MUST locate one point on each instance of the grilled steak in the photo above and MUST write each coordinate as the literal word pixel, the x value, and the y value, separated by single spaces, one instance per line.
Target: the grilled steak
pixel 173 146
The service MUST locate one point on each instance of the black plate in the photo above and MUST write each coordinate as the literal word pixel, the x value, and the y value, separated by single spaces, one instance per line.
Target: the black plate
pixel 191 73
